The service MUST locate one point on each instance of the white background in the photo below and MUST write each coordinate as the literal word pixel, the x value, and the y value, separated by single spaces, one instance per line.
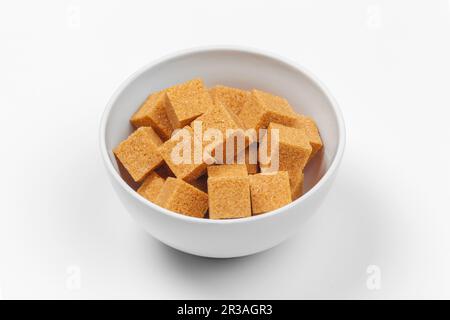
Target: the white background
pixel 63 232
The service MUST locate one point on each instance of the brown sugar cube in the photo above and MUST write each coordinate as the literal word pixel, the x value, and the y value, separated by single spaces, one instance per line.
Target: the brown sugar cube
pixel 310 127
pixel 152 113
pixel 232 98
pixel 173 151
pixel 219 118
pixel 185 102
pixel 201 183
pixel 181 197
pixel 262 108
pixel 151 186
pixel 269 191
pixel 126 176
pixel 227 170
pixel 296 183
pixel 229 197
pixel 250 161
pixel 139 153
pixel 294 152
pixel 293 149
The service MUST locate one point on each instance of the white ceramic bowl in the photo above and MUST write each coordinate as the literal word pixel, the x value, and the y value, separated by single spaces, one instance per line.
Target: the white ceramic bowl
pixel 242 68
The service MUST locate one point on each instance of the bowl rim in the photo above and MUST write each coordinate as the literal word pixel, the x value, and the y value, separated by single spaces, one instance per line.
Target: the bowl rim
pixel 232 48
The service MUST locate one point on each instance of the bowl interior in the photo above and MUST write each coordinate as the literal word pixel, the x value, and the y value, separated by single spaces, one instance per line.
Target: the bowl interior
pixel 237 68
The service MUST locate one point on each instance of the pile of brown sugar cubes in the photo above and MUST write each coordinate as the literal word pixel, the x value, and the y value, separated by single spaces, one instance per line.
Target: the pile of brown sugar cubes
pixel 209 186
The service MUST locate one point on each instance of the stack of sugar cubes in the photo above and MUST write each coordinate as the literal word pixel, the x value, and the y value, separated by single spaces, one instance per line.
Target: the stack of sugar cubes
pixel 218 153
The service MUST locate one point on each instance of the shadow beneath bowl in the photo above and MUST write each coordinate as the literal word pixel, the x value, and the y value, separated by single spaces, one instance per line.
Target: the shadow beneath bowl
pixel 328 257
